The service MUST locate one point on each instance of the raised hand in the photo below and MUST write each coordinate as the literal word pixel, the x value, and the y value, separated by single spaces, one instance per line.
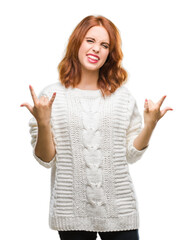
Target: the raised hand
pixel 152 113
pixel 42 107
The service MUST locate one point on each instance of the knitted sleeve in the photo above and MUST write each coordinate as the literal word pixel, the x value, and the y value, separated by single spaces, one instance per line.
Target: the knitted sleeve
pixel 133 130
pixel 34 133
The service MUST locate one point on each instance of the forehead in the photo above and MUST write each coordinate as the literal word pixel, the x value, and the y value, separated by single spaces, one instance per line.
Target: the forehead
pixel 99 33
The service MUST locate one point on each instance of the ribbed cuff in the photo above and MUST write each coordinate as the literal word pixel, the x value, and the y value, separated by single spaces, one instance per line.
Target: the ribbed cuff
pixel 138 153
pixel 134 154
pixel 43 163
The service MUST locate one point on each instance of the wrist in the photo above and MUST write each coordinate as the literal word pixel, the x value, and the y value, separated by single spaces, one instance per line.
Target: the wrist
pixel 150 125
pixel 43 123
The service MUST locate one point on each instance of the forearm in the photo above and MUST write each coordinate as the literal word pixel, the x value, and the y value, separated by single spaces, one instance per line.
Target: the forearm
pixel 45 148
pixel 142 140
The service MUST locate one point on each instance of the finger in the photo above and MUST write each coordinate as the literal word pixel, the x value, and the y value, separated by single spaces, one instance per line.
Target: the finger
pixel 28 106
pixel 52 99
pixel 145 102
pixel 159 103
pixel 34 97
pixel 44 98
pixel 150 103
pixel 146 106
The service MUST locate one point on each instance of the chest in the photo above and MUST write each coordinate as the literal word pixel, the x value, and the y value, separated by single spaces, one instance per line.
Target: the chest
pixel 74 113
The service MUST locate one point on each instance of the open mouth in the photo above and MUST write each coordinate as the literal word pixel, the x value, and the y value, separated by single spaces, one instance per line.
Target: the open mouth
pixel 92 59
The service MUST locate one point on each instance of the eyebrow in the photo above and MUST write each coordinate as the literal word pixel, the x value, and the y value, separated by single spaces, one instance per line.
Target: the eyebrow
pixel 94 40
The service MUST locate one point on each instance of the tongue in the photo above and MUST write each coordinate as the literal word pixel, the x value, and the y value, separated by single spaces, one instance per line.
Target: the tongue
pixel 92 60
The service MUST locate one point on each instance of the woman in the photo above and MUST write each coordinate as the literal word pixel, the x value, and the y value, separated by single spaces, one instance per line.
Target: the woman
pixel 87 128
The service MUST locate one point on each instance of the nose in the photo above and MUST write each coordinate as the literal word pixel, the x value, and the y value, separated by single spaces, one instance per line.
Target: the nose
pixel 96 48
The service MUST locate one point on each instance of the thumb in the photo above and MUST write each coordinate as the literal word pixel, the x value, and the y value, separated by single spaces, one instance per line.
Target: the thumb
pixel 163 112
pixel 28 106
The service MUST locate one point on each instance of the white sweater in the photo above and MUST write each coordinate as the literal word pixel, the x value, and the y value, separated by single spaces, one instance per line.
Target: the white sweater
pixel 91 187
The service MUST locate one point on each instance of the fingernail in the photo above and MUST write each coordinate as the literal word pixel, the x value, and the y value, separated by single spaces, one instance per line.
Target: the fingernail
pixel 30 86
pixel 146 100
pixel 171 109
pixel 21 105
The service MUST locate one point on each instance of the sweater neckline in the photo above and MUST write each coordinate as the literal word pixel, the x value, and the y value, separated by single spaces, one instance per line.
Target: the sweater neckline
pixel 86 92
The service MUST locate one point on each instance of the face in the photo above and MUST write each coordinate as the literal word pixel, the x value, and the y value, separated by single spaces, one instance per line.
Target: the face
pixel 94 49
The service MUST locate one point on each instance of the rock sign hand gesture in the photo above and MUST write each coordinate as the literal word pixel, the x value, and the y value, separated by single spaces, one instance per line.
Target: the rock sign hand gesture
pixel 42 107
pixel 152 113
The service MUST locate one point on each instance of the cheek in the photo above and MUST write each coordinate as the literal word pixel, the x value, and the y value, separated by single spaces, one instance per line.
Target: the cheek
pixel 83 50
pixel 81 53
pixel 105 56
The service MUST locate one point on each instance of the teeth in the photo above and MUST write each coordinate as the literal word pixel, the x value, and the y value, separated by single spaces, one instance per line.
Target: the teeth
pixel 92 57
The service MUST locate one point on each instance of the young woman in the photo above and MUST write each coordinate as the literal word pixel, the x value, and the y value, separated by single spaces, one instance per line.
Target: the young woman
pixel 87 128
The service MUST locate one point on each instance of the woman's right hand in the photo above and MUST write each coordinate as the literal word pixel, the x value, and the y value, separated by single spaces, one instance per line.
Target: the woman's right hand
pixel 42 107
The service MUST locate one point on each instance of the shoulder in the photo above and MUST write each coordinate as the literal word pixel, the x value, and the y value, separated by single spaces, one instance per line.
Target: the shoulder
pixel 54 87
pixel 127 94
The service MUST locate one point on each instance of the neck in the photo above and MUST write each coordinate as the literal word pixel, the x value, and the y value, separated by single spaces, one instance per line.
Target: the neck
pixel 89 80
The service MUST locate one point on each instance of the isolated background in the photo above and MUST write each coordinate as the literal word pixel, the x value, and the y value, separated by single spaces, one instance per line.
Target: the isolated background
pixel 157 42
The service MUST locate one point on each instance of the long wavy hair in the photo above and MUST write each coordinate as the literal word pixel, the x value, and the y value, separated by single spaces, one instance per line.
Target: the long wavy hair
pixel 111 75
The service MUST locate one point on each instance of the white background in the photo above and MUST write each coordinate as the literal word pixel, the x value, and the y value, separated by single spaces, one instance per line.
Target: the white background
pixel 158 46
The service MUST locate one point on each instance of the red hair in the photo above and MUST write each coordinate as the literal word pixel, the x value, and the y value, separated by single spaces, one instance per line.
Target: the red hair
pixel 111 74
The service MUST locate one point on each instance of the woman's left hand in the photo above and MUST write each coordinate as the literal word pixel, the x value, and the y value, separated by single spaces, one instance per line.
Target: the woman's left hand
pixel 152 113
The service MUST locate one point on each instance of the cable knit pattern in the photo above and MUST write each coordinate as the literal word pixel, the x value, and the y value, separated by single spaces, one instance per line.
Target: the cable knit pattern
pixel 91 187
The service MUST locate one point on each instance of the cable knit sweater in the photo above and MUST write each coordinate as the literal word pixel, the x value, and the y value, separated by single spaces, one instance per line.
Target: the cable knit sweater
pixel 91 187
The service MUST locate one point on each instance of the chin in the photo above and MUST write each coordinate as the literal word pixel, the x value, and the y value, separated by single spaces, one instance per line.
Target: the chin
pixel 92 68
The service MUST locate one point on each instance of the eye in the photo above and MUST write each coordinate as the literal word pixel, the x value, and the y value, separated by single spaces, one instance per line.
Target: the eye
pixel 105 46
pixel 89 40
